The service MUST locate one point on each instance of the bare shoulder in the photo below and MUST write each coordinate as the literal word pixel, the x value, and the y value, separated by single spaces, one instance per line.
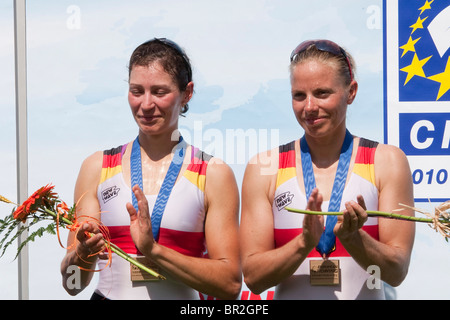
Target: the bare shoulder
pixel 260 176
pixel 391 165
pixel 263 164
pixel 221 192
pixel 89 175
pixel 387 155
pixel 215 164
pixel 219 176
pixel 92 165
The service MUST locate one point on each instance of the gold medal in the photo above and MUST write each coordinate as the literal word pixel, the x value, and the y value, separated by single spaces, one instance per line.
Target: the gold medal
pixel 324 272
pixel 139 275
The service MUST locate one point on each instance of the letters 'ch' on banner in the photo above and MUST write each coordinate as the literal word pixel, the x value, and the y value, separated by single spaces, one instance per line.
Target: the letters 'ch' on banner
pixel 417 91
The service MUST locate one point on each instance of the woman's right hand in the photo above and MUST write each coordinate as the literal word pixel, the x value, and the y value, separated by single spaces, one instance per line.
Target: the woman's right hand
pixel 90 241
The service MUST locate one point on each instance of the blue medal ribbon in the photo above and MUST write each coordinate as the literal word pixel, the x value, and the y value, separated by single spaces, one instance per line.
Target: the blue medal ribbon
pixel 328 239
pixel 168 183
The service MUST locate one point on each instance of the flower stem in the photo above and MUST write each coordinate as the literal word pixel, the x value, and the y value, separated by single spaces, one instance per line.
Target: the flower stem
pixel 370 213
pixel 125 256
pixel 114 248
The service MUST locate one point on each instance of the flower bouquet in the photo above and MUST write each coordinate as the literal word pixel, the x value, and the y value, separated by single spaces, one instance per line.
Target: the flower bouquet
pixel 439 221
pixel 44 205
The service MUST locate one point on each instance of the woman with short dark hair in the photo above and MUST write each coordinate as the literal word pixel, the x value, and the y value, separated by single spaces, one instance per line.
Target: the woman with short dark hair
pixel 165 203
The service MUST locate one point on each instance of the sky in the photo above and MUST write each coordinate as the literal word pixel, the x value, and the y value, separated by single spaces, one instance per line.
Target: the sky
pixel 77 98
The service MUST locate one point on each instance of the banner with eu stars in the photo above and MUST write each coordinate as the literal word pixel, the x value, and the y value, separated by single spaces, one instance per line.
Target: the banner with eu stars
pixel 417 91
pixel 424 55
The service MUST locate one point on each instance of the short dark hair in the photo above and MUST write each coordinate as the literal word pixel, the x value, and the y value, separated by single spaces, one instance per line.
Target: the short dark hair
pixel 171 57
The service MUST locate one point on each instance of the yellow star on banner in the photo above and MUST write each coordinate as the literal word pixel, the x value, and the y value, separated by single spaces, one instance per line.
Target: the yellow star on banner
pixel 418 24
pixel 426 6
pixel 415 68
pixel 444 79
pixel 409 46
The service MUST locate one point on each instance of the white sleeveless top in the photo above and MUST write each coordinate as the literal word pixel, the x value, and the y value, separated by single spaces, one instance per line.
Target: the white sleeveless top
pixel 182 227
pixel 287 225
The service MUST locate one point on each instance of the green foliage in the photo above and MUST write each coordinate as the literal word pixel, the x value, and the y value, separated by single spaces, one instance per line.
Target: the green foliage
pixel 12 229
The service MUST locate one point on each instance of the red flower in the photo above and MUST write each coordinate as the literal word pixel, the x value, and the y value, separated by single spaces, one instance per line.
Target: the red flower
pixel 42 197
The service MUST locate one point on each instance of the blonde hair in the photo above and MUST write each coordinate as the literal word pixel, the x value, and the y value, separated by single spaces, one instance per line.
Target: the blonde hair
pixel 344 62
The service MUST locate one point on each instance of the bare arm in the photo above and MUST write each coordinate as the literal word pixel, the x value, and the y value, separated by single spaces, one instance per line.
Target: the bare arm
pixel 393 250
pixel 220 275
pixel 78 244
pixel 263 265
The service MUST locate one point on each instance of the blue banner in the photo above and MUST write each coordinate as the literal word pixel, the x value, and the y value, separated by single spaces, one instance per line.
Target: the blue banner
pixel 425 134
pixel 424 58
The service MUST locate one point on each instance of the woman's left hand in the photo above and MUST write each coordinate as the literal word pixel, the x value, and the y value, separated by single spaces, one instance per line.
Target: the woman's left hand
pixel 352 220
pixel 140 223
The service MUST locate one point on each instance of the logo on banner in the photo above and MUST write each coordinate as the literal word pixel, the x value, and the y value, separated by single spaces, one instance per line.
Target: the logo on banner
pixel 424 55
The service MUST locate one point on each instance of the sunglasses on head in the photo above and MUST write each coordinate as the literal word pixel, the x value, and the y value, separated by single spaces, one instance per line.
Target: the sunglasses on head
pixel 178 49
pixel 325 46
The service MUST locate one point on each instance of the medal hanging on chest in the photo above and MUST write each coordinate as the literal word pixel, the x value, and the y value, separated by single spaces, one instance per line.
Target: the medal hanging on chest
pixel 327 272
